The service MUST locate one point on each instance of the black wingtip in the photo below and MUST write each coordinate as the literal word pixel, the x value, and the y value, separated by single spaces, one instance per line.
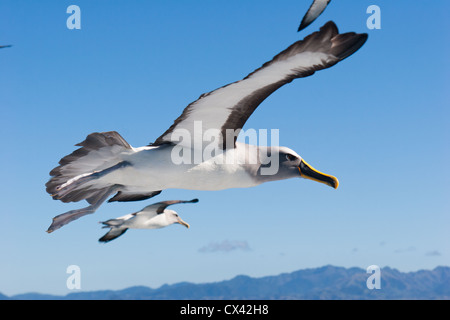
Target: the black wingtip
pixel 303 24
pixel 301 27
pixel 111 235
pixel 309 18
pixel 330 25
pixel 348 43
pixel 194 200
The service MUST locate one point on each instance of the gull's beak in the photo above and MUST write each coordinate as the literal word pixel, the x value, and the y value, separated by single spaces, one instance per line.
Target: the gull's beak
pixel 183 223
pixel 308 172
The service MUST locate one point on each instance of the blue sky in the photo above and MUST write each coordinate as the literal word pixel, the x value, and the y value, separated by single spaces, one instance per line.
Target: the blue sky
pixel 379 121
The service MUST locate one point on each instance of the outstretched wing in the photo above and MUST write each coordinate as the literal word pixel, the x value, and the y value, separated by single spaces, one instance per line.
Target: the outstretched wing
pixel 164 204
pixel 159 207
pixel 225 110
pixel 316 9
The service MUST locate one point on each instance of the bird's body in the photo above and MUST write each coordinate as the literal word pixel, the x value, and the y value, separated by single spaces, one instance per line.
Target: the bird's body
pixel 199 151
pixel 153 168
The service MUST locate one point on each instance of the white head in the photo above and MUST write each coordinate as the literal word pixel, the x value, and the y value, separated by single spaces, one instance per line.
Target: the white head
pixel 281 163
pixel 173 217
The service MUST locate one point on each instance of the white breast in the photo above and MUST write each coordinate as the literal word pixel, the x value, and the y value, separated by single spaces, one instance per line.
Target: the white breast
pixel 155 169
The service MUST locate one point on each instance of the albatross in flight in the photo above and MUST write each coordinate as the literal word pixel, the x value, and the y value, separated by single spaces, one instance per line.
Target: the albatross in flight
pixel 107 165
pixel 154 216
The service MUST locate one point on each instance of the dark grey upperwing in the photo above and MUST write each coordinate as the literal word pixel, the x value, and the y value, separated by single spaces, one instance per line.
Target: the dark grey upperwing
pixel 229 107
pixel 164 204
pixel 113 234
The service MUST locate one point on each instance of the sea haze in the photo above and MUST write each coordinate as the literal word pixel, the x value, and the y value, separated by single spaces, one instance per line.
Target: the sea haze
pixel 324 283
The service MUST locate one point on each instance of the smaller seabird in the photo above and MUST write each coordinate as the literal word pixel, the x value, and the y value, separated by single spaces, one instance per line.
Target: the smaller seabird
pixel 154 216
pixel 316 9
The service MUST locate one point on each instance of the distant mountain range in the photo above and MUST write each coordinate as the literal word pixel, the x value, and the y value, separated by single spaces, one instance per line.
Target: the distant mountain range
pixel 329 282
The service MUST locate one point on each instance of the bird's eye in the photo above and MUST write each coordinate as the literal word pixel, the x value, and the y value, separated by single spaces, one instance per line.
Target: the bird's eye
pixel 290 157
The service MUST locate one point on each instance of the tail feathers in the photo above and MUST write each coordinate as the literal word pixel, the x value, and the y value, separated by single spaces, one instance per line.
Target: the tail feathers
pixel 113 234
pixel 112 223
pixel 72 215
pixel 98 152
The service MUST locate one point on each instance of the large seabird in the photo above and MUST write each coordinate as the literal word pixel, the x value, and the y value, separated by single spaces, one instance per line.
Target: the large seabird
pixel 315 10
pixel 106 164
pixel 154 216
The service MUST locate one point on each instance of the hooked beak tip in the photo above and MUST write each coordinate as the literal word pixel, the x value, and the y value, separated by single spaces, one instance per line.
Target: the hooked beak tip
pixel 184 223
pixel 336 183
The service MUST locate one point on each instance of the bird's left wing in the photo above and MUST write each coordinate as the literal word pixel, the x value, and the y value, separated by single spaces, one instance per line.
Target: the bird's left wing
pixel 314 11
pixel 164 204
pixel 217 116
pixel 159 207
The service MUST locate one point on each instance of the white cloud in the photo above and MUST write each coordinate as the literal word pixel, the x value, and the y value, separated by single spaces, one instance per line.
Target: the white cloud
pixel 225 246
pixel 433 253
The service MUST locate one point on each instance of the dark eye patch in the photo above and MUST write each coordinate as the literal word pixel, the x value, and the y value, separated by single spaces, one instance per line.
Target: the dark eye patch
pixel 290 157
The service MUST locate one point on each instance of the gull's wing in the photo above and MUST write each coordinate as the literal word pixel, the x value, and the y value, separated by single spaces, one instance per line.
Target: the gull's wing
pixel 229 107
pixel 1 47
pixel 159 207
pixel 316 9
pixel 164 204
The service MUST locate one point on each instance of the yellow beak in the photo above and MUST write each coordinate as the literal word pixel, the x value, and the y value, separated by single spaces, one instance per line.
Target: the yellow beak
pixel 183 223
pixel 308 172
